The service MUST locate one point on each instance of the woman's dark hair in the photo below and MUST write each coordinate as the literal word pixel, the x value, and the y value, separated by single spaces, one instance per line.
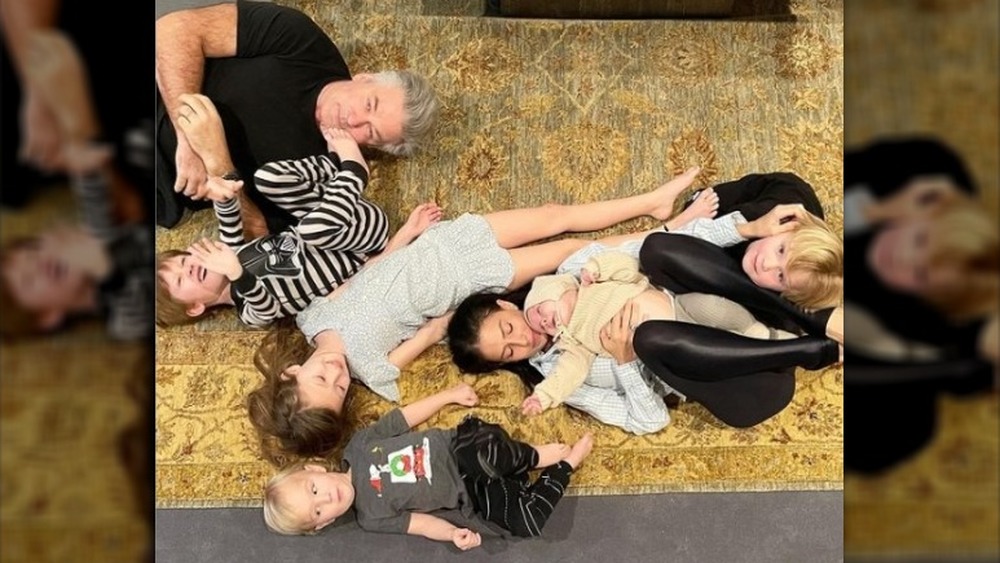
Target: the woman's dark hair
pixel 463 336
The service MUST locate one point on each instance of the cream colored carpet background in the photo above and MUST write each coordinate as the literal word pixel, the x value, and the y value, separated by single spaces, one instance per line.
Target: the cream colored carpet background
pixel 540 111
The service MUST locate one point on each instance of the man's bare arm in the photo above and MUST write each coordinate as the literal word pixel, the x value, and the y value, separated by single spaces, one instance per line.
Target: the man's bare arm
pixel 184 39
pixel 18 18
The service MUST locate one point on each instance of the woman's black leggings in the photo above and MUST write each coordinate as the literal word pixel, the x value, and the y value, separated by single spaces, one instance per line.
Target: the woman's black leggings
pixel 742 381
pixel 684 264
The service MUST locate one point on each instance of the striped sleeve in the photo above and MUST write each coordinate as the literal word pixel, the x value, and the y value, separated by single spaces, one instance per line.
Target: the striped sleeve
pixel 255 305
pixel 325 194
pixel 230 224
pixel 90 191
pixel 127 291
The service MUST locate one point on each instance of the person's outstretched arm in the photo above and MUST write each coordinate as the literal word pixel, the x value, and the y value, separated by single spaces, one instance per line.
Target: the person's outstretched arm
pixel 418 412
pixel 426 336
pixel 439 529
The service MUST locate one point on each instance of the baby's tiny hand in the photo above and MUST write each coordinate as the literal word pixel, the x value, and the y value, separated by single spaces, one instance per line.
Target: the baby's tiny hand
pixel 463 394
pixel 586 277
pixel 531 406
pixel 465 539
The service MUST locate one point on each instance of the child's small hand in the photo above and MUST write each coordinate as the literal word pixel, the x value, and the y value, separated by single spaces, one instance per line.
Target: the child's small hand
pixel 782 218
pixel 76 248
pixel 586 277
pixel 921 197
pixel 421 218
pixel 463 394
pixel 531 406
pixel 437 328
pixel 342 143
pixel 217 257
pixel 220 189
pixel 465 539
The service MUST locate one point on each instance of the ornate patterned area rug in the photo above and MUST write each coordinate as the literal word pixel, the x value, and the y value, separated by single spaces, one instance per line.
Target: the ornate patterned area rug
pixel 63 408
pixel 946 499
pixel 555 111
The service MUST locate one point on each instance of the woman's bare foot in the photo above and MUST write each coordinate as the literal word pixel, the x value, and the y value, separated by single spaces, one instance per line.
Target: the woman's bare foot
pixel 57 71
pixel 666 194
pixel 580 450
pixel 706 205
pixel 551 454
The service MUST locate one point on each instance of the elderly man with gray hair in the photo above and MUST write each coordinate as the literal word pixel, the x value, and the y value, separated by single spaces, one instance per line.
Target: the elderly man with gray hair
pixel 276 79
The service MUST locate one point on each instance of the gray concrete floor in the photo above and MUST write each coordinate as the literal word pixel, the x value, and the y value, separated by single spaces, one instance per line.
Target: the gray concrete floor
pixel 794 527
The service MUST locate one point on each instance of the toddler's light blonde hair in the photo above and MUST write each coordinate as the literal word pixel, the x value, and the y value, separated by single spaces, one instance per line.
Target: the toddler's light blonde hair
pixel 965 240
pixel 279 513
pixel 816 254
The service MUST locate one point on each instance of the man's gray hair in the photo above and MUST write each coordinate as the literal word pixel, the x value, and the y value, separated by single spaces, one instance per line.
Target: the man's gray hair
pixel 420 104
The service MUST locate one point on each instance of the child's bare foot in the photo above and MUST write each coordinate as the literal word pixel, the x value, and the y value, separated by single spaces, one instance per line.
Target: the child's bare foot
pixel 580 450
pixel 666 194
pixel 706 205
pixel 551 454
pixel 57 71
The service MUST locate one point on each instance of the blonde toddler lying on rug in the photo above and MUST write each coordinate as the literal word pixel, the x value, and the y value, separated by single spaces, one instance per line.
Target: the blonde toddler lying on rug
pixel 446 485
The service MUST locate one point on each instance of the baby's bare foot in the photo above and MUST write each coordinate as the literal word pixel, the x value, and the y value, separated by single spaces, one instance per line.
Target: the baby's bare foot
pixel 580 450
pixel 551 454
pixel 706 205
pixel 666 194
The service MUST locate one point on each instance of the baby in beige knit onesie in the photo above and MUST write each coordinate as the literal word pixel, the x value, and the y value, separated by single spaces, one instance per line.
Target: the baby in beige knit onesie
pixel 574 313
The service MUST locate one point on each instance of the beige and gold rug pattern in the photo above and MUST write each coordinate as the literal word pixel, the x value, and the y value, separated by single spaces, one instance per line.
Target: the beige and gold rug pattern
pixel 543 111
pixel 63 406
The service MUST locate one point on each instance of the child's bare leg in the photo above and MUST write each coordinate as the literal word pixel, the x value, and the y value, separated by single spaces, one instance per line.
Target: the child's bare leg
pixel 517 227
pixel 580 450
pixel 707 205
pixel 551 454
pixel 533 261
